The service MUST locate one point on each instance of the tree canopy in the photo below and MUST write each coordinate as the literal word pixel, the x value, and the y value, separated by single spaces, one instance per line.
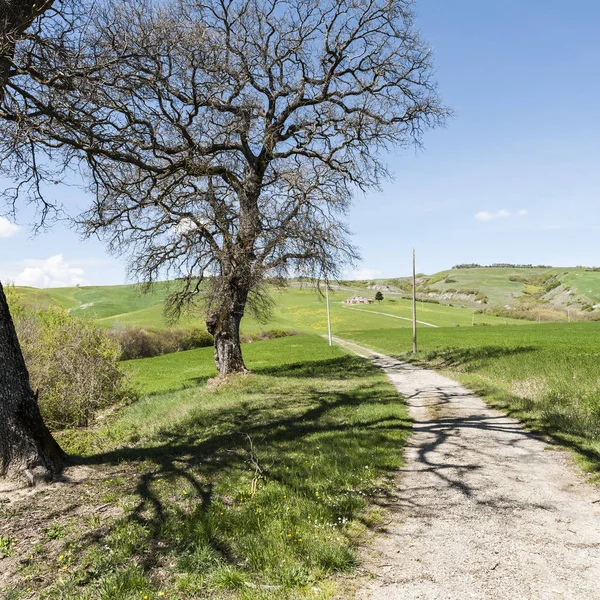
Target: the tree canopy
pixel 226 138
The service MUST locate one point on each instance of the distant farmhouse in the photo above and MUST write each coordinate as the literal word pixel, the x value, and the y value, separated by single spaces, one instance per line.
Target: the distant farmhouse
pixel 357 300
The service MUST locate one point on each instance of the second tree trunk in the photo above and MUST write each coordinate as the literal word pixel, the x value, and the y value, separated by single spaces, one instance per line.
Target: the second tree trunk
pixel 27 449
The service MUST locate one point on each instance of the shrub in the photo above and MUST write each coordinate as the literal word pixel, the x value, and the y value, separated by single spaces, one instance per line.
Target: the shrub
pixel 266 335
pixel 137 342
pixel 72 364
pixel 423 299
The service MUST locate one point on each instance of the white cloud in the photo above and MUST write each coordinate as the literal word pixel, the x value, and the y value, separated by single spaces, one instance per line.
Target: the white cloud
pixel 361 274
pixel 186 225
pixel 51 272
pixel 486 215
pixel 7 229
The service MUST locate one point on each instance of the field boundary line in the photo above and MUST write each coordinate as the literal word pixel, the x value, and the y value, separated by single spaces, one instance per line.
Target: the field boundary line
pixel 376 312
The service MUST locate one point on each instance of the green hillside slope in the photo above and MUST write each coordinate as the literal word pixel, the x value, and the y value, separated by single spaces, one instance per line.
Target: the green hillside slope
pixel 562 290
pixel 494 293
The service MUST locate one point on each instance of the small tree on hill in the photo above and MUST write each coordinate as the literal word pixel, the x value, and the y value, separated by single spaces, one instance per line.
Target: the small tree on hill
pixel 224 139
pixel 379 296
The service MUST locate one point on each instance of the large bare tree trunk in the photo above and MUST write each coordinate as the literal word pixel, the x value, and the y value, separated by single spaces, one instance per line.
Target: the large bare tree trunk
pixel 27 449
pixel 223 323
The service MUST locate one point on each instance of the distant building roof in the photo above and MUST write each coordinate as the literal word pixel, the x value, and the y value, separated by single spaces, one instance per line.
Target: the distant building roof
pixel 357 300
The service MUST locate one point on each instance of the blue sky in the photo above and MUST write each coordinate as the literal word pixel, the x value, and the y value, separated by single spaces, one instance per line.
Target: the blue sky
pixel 513 177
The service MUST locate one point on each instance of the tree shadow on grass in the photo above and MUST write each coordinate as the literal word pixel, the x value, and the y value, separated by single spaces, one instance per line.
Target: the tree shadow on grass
pixel 333 434
pixel 340 368
pixel 343 367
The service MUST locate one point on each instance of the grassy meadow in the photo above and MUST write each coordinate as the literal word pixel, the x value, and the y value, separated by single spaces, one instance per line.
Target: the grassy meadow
pixel 255 489
pixel 296 308
pixel 494 283
pixel 302 309
pixel 546 375
pixel 261 487
pixel 439 315
pixel 587 282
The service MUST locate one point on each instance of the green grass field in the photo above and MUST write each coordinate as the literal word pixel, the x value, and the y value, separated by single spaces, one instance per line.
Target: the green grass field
pixel 193 368
pixel 302 309
pixel 494 283
pixel 260 488
pixel 256 489
pixel 296 308
pixel 106 305
pixel 586 282
pixel 436 314
pixel 504 286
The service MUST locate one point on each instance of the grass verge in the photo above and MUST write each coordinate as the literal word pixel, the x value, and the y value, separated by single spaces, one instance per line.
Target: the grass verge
pixel 256 489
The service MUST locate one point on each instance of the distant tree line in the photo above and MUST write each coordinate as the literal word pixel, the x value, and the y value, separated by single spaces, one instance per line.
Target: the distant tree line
pixel 500 266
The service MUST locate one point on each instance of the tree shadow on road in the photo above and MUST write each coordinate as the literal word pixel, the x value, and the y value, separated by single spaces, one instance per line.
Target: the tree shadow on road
pixel 546 418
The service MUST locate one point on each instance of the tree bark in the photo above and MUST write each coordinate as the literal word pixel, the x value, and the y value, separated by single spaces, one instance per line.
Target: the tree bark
pixel 223 324
pixel 27 449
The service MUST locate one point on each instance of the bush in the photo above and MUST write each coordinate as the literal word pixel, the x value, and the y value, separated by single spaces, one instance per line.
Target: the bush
pixel 137 342
pixel 72 364
pixel 423 299
pixel 266 335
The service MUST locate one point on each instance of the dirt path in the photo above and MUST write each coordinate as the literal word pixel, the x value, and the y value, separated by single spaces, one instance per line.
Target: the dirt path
pixel 375 312
pixel 482 508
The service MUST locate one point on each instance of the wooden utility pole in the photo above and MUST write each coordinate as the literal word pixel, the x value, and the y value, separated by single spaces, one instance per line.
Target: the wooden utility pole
pixel 414 305
pixel 328 313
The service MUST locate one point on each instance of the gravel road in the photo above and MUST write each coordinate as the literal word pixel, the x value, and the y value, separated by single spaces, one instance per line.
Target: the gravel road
pixel 482 509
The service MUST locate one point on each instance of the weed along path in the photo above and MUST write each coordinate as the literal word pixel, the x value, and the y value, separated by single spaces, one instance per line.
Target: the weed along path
pixel 482 509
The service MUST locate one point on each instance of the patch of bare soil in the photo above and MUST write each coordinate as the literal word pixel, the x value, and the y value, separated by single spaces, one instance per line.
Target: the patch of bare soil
pixel 483 509
pixel 34 519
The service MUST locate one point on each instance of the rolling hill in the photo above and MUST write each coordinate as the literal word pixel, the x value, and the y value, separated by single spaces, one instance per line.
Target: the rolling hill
pixel 447 298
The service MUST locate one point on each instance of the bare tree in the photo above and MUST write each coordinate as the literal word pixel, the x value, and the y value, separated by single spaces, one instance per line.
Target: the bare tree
pixel 26 446
pixel 224 139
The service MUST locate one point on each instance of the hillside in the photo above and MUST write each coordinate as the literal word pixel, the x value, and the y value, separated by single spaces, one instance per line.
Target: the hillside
pixel 446 298
pixel 295 308
pixel 554 292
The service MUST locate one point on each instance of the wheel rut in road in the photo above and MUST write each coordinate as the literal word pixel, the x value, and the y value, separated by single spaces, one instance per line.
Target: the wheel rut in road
pixel 482 508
